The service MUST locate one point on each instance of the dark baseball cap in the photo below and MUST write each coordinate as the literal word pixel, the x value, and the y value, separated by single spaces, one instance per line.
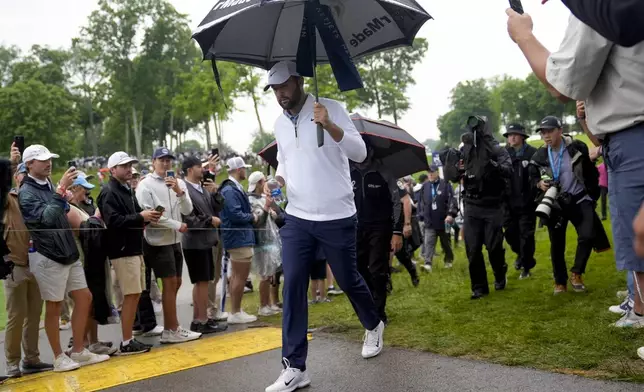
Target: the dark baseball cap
pixel 549 122
pixel 162 152
pixel 190 162
pixel 433 168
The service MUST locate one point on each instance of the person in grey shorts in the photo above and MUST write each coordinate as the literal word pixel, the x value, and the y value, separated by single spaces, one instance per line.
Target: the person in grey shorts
pixel 55 263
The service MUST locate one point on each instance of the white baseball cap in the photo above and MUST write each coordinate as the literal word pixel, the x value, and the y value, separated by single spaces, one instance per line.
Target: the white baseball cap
pixel 235 163
pixel 253 179
pixel 280 73
pixel 37 152
pixel 120 158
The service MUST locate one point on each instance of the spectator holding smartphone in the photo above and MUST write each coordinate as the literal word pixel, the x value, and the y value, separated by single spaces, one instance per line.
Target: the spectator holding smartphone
pixel 55 262
pixel 125 220
pixel 162 246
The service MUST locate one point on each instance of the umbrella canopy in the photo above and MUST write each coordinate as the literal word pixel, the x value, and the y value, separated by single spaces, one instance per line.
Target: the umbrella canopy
pixel 398 151
pixel 264 32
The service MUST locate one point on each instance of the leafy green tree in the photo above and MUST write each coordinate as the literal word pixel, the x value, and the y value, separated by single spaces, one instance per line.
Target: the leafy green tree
pixel 43 113
pixel 261 140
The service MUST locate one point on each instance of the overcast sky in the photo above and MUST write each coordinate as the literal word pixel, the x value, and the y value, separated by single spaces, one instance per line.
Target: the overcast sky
pixel 467 39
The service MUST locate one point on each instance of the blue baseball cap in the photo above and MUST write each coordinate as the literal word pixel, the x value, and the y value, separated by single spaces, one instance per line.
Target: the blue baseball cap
pixel 22 169
pixel 162 152
pixel 82 181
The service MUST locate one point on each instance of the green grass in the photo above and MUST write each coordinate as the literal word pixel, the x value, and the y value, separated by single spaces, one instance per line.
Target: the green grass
pixel 525 325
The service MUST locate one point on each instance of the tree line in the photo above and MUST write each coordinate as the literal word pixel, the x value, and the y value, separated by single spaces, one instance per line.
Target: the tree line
pixel 133 79
pixel 503 100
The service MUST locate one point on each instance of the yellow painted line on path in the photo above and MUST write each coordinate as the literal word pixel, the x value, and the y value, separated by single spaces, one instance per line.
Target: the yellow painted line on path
pixel 160 361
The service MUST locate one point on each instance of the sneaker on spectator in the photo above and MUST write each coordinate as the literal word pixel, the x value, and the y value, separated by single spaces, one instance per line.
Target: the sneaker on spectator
pixel 290 379
pixel 102 349
pixel 220 316
pixel 179 336
pixel 208 327
pixel 266 311
pixel 427 267
pixel 448 265
pixel 577 283
pixel 86 357
pixel 13 371
pixel 241 318
pixel 219 325
pixel 64 325
pixel 156 331
pixel 324 300
pixel 623 308
pixel 333 291
pixel 560 288
pixel 36 367
pixel 132 348
pixel 630 320
pixel 525 275
pixel 63 363
pixel 276 308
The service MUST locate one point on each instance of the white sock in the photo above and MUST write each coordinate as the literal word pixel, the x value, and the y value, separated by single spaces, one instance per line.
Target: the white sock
pixel 126 342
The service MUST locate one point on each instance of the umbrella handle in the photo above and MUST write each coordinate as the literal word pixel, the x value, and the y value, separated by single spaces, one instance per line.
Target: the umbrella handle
pixel 320 136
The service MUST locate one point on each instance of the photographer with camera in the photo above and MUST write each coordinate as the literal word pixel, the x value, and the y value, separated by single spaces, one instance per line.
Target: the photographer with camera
pixel 520 218
pixel 569 186
pixel 486 168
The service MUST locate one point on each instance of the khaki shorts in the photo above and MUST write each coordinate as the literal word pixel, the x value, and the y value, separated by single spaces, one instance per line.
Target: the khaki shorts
pixel 130 274
pixel 241 254
pixel 55 279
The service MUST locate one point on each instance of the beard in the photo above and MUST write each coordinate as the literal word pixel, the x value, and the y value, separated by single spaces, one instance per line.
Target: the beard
pixel 288 103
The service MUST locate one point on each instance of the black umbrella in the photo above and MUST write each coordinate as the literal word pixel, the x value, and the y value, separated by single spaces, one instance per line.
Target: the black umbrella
pixel 398 151
pixel 264 32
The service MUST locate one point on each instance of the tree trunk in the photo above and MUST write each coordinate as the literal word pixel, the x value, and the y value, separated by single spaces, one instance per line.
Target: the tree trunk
pixel 137 124
pixel 127 135
pixel 256 105
pixel 208 142
pixel 395 111
pixel 171 125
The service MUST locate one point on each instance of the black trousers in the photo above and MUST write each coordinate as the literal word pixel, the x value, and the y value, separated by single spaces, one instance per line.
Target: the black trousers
pixel 604 195
pixel 145 319
pixel 484 226
pixel 582 216
pixel 374 247
pixel 519 233
pixel 404 256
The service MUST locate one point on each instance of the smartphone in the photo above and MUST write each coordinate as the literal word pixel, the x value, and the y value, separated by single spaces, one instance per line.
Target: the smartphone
pixel 169 173
pixel 214 151
pixel 160 209
pixel 208 176
pixel 19 140
pixel 516 6
pixel 71 164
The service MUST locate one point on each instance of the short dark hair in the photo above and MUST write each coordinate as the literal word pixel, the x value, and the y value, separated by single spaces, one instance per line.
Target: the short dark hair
pixel 422 178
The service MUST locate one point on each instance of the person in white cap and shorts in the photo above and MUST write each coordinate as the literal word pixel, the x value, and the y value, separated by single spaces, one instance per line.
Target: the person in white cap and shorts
pixel 55 262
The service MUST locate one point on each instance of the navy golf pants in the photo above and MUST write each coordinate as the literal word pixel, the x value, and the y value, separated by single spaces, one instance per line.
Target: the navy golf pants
pixel 300 239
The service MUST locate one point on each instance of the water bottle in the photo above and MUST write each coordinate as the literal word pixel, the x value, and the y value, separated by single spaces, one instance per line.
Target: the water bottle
pixel 31 246
pixel 276 190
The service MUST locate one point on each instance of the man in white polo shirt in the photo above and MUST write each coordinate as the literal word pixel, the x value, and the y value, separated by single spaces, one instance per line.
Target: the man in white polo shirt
pixel 320 212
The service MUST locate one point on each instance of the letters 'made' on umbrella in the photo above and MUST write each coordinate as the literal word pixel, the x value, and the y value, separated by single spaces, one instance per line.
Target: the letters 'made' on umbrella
pixel 262 33
pixel 398 151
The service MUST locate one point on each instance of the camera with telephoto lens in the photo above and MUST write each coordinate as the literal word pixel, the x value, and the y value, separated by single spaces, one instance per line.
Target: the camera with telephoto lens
pixel 548 203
